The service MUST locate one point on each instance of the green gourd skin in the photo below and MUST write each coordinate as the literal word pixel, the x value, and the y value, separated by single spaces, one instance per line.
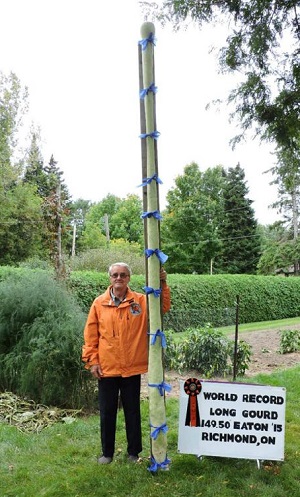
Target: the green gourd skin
pixel 157 412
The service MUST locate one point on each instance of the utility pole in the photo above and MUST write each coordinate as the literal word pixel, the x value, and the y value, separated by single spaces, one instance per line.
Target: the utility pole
pixel 106 226
pixel 74 240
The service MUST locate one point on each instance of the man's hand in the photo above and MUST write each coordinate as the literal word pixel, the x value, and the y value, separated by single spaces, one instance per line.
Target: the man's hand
pixel 96 371
pixel 163 274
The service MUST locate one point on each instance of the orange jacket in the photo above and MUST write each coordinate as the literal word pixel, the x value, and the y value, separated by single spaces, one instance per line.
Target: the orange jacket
pixel 116 337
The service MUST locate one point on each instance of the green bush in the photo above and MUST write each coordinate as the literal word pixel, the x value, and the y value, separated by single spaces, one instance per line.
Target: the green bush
pixel 41 330
pixel 101 258
pixel 201 299
pixel 207 351
pixel 198 299
pixel 289 341
pixel 87 285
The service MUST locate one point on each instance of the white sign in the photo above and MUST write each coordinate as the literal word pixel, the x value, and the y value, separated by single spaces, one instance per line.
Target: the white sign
pixel 232 420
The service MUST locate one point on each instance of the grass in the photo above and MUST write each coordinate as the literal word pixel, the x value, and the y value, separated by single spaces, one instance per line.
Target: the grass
pixel 60 461
pixel 248 327
pixel 262 325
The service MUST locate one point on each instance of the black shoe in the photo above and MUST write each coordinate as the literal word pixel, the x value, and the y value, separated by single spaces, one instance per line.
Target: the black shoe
pixel 104 460
pixel 132 458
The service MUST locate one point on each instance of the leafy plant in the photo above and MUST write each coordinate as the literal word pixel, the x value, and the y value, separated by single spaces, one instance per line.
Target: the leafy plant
pixel 206 350
pixel 289 341
pixel 243 357
pixel 40 341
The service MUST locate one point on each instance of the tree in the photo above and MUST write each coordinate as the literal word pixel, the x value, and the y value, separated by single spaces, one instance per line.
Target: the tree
pixel 13 107
pixel 56 212
pixel 20 226
pixel 239 228
pixel 113 218
pixel 35 173
pixel 20 207
pixel 126 223
pixel 189 229
pixel 262 45
pixel 278 249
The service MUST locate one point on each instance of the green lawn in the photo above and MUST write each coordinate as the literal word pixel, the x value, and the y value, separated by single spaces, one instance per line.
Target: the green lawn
pixel 263 325
pixel 60 461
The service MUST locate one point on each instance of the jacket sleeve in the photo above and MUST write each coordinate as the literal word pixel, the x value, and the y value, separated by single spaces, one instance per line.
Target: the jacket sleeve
pixel 91 339
pixel 166 297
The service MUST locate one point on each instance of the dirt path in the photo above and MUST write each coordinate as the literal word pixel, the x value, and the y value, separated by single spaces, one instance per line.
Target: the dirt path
pixel 265 359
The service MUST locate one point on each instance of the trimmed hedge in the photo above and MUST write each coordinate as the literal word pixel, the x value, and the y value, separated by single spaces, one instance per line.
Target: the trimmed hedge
pixel 201 299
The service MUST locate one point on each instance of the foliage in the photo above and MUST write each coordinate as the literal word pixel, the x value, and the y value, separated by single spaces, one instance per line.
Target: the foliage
pixel 101 258
pixel 262 45
pixel 198 299
pixel 289 341
pixel 87 285
pixel 13 107
pixel 20 208
pixel 239 227
pixel 20 227
pixel 207 351
pixel 189 230
pixel 195 298
pixel 274 239
pixel 111 219
pixel 40 341
pixel 242 358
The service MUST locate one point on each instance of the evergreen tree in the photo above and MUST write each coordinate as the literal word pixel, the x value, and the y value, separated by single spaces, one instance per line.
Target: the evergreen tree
pixel 56 212
pixel 34 172
pixel 238 231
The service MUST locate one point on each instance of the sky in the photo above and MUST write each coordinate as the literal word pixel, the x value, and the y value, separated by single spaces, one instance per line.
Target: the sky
pixel 79 60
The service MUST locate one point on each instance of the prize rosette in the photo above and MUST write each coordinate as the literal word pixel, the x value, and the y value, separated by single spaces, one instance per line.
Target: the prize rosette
pixel 192 388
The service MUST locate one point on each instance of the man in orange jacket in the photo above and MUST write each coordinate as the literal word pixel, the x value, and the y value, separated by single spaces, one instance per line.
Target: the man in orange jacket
pixel 116 352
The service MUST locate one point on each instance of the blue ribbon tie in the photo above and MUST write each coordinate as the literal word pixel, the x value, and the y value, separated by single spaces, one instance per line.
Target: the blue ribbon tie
pixel 163 428
pixel 149 289
pixel 147 181
pixel 159 334
pixel 161 387
pixel 144 42
pixel 153 134
pixel 155 465
pixel 161 256
pixel 144 92
pixel 154 214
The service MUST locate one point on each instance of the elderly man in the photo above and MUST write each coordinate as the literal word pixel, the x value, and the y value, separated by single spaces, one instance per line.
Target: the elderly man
pixel 116 352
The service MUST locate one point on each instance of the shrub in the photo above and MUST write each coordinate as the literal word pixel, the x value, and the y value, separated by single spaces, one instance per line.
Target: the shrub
pixel 243 357
pixel 40 341
pixel 117 250
pixel 207 351
pixel 289 341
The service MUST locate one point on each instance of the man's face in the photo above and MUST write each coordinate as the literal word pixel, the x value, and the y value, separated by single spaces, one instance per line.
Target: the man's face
pixel 119 278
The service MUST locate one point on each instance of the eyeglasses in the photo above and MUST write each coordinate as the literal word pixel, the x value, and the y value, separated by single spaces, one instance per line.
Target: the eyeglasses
pixel 122 275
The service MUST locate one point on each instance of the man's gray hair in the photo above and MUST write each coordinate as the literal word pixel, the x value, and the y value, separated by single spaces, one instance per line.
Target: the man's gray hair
pixel 123 264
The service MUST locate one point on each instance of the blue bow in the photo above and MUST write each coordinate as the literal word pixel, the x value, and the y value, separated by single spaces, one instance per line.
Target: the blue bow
pixel 163 338
pixel 161 256
pixel 147 181
pixel 153 134
pixel 149 289
pixel 161 387
pixel 145 91
pixel 155 465
pixel 154 214
pixel 144 42
pixel 163 428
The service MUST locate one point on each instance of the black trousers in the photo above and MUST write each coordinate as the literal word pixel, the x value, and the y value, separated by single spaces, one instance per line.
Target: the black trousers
pixel 129 389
